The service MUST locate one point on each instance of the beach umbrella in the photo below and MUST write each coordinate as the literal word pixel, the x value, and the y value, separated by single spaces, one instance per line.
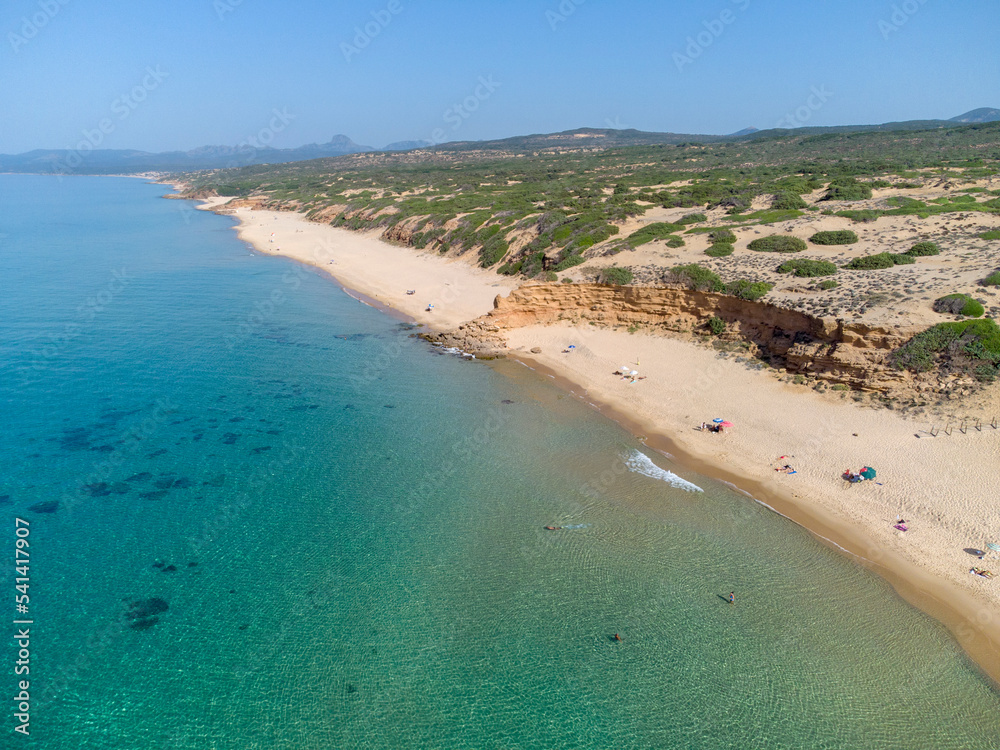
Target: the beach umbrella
pixel 725 424
pixel 571 346
pixel 718 420
pixel 868 472
pixel 993 546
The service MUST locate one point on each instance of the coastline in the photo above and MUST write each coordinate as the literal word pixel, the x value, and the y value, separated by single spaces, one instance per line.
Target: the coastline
pixel 916 564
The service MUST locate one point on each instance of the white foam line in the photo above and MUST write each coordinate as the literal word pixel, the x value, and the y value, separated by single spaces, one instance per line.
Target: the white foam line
pixel 640 463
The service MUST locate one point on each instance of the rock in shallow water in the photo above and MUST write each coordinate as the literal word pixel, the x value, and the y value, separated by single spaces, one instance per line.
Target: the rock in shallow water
pixel 46 506
pixel 142 613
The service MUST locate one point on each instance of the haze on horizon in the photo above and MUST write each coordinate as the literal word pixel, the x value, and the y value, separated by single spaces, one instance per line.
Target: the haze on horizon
pixel 213 72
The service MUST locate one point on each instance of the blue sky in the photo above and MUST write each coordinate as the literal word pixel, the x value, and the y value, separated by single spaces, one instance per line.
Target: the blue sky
pixel 188 73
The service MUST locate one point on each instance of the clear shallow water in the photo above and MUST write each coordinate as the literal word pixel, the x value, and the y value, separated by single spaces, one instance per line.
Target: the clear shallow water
pixel 356 527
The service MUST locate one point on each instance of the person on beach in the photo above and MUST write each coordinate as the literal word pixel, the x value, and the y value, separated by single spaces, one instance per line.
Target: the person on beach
pixel 617 637
pixel 732 597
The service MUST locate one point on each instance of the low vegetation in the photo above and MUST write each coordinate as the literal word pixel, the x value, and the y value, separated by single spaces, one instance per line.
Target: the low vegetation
pixel 993 234
pixel 778 243
pixel 748 290
pixel 717 326
pixel 804 268
pixel 786 200
pixel 692 219
pixel 847 189
pixel 651 232
pixel 879 261
pixel 922 249
pixel 696 277
pixel 841 237
pixel 720 250
pixel 959 304
pixel 615 276
pixel 992 280
pixel 702 279
pixel 529 209
pixel 969 347
pixel 720 236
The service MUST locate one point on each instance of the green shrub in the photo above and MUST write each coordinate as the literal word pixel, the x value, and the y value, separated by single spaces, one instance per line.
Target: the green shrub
pixel 569 261
pixel 674 241
pixel 971 347
pixel 717 326
pixel 658 231
pixel 922 249
pixel 748 290
pixel 777 243
pixel 692 219
pixel 841 237
pixel 866 216
pixel 993 234
pixel 828 285
pixel 807 269
pixel 902 201
pixel 510 269
pixel 879 261
pixel 959 304
pixel 697 277
pixel 719 250
pixel 787 201
pixel 615 276
pixel 992 280
pixel 721 235
pixel 493 251
pixel 847 189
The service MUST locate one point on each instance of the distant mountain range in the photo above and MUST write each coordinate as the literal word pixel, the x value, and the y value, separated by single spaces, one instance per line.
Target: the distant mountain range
pixel 108 161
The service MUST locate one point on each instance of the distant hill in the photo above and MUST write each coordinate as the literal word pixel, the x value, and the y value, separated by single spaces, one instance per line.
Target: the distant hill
pixel 983 114
pixel 107 161
pixel 581 138
pixel 113 161
pixel 406 145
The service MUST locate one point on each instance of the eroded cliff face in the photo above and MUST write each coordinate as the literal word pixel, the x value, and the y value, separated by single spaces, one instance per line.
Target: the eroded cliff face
pixel 829 349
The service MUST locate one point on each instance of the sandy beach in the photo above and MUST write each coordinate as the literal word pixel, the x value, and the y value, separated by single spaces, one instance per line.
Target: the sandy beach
pixel 446 292
pixel 945 487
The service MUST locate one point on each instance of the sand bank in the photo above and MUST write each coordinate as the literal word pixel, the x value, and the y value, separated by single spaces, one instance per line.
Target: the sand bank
pixel 946 487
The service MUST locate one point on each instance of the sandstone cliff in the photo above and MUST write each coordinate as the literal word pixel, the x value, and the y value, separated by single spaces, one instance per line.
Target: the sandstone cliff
pixel 829 349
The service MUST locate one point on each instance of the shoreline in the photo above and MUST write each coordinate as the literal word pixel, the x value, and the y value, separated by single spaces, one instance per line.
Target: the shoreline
pixel 963 612
pixel 957 611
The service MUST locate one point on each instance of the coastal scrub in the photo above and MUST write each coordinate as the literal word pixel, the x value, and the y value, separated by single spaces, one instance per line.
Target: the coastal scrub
pixel 778 243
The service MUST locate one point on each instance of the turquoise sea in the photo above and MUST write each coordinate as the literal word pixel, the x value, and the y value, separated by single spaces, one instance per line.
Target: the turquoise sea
pixel 263 515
